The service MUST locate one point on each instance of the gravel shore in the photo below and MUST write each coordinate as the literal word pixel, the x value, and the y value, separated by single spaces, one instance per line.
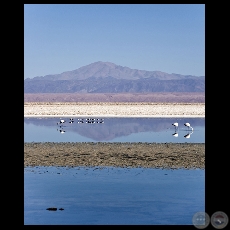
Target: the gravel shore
pixel 149 155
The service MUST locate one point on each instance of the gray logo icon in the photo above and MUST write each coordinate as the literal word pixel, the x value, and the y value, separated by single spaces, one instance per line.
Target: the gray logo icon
pixel 219 220
pixel 201 220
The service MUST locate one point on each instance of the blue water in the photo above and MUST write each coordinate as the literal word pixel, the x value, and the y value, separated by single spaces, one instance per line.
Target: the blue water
pixel 150 130
pixel 109 195
pixel 113 195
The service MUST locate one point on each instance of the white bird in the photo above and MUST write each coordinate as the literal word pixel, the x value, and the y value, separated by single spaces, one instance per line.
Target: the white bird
pixel 61 121
pixel 175 125
pixel 188 125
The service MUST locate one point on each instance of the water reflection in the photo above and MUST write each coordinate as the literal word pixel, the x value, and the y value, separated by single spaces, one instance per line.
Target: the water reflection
pixel 61 130
pixel 175 134
pixel 111 195
pixel 188 135
pixel 114 130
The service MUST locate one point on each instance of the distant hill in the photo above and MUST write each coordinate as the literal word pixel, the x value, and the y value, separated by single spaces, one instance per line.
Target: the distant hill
pixel 106 77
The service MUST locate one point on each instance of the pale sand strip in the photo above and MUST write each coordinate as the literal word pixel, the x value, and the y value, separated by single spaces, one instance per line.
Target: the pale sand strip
pixel 109 109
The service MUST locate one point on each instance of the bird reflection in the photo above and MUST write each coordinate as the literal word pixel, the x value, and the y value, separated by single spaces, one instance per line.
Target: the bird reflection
pixel 61 130
pixel 79 120
pixel 175 134
pixel 188 135
pixel 175 124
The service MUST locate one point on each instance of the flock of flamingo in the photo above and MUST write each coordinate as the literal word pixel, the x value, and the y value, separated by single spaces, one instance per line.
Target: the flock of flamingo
pixel 185 124
pixel 80 120
pixel 101 120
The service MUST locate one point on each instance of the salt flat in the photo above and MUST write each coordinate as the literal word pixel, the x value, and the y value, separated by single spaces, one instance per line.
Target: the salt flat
pixel 113 109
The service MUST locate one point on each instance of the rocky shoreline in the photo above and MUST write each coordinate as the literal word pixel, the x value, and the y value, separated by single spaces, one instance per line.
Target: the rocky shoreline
pixel 149 155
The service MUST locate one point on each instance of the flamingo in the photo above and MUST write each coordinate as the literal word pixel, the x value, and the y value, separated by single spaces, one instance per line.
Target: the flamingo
pixel 90 120
pixel 188 125
pixel 100 120
pixel 71 120
pixel 61 121
pixel 175 125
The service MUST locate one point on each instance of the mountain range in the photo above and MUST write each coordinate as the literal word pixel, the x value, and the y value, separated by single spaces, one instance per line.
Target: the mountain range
pixel 107 77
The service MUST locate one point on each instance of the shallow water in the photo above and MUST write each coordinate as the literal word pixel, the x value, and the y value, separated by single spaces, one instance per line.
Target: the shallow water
pixel 109 195
pixel 159 130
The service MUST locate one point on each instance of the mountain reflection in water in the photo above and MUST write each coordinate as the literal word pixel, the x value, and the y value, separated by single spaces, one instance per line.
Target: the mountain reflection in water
pixel 115 129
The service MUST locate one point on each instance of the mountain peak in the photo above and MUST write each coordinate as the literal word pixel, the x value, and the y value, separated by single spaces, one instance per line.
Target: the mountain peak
pixel 107 69
pixel 107 77
pixel 100 65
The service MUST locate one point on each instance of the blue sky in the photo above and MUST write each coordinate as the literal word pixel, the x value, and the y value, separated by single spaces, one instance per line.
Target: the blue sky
pixel 163 37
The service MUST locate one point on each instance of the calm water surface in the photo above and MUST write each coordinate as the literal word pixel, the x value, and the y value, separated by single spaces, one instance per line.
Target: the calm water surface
pixel 91 195
pixel 158 130
pixel 113 195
